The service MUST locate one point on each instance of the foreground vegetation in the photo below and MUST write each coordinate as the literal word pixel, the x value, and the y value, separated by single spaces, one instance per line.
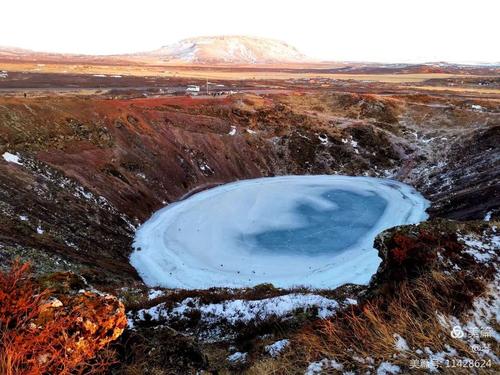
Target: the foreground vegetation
pixel 45 328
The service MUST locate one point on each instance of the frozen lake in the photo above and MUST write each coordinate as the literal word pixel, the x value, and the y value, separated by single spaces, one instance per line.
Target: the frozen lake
pixel 316 231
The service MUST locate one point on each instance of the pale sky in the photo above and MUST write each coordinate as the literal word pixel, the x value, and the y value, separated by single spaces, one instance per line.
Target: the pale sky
pixel 347 30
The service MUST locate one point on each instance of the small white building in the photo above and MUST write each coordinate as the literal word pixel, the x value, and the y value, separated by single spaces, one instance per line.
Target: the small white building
pixel 193 89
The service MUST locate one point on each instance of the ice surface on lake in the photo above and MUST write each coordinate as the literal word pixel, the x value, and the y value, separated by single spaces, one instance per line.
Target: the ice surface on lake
pixel 316 231
pixel 322 229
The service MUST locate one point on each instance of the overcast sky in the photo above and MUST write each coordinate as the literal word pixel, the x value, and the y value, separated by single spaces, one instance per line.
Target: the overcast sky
pixel 355 30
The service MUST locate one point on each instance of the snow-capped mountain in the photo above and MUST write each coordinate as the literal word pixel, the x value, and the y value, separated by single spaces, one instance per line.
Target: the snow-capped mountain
pixel 230 50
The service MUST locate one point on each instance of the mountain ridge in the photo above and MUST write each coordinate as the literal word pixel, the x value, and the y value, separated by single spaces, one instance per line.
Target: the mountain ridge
pixel 235 49
pixel 239 50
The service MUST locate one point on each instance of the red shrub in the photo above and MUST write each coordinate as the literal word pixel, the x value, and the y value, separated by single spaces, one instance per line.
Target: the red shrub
pixel 43 335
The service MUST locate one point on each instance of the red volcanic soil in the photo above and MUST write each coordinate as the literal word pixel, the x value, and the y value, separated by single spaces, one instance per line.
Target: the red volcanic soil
pixel 149 150
pixel 97 165
pixel 92 167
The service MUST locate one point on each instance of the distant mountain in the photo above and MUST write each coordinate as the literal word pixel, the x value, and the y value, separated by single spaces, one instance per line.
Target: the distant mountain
pixel 14 51
pixel 229 50
pixel 245 51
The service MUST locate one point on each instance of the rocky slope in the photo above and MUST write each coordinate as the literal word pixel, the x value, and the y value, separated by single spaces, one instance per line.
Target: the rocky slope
pixel 91 170
pixel 78 175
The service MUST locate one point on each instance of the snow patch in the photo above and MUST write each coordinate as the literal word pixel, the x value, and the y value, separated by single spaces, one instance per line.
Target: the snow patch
pixel 12 158
pixel 482 248
pixel 386 368
pixel 478 330
pixel 323 139
pixel 325 364
pixel 155 293
pixel 275 349
pixel 238 357
pixel 238 311
pixel 204 167
pixel 400 343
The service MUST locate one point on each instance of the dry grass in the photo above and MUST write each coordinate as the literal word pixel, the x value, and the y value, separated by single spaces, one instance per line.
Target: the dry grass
pixel 272 367
pixel 193 72
pixel 369 330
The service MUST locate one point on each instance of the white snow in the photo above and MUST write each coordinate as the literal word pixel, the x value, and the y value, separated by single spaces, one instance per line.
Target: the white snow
pixel 325 364
pixel 387 368
pixel 477 330
pixel 11 158
pixel 314 368
pixel 482 248
pixel 487 217
pixel 155 293
pixel 400 343
pixel 323 139
pixel 40 230
pixel 232 131
pixel 237 357
pixel 207 239
pixel 275 349
pixel 23 218
pixel 81 192
pixel 239 311
pixel 204 167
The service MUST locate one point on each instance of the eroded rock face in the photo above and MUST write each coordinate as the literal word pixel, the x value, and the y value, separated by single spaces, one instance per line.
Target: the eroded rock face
pixel 472 177
pixel 468 250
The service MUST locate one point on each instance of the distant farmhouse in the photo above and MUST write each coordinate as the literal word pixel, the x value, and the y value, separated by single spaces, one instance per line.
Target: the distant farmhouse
pixel 193 89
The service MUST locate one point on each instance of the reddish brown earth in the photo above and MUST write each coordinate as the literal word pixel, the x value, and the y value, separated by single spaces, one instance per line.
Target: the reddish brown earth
pixel 93 167
pixel 96 163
